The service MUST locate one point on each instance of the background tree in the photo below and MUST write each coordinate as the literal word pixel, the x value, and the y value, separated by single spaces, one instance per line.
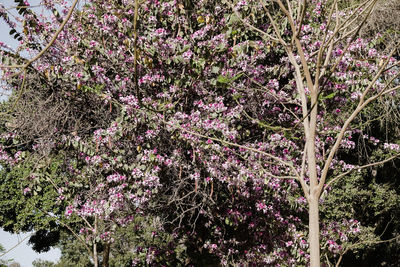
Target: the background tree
pixel 3 263
pixel 42 263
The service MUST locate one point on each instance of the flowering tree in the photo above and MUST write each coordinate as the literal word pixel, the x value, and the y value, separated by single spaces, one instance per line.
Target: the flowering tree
pixel 321 66
pixel 214 118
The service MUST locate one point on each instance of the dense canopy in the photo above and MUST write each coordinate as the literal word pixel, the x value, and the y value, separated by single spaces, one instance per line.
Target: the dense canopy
pixel 178 133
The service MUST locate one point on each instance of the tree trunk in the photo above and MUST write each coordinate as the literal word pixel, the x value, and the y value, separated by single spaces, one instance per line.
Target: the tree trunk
pixel 95 257
pixel 313 224
pixel 106 255
pixel 95 260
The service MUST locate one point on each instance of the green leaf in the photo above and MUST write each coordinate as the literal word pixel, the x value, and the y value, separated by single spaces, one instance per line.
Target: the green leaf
pixel 329 96
pixel 223 79
pixel 237 77
pixel 237 96
pixel 228 222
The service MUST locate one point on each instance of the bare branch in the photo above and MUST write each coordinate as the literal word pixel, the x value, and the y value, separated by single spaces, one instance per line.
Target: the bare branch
pixel 333 68
pixel 19 243
pixel 302 6
pixel 24 66
pixel 277 99
pixel 274 25
pixel 23 7
pixel 359 168
pixel 288 164
pixel 299 47
pixel 320 71
pixel 339 138
pixel 369 242
pixel 254 28
pixel 72 231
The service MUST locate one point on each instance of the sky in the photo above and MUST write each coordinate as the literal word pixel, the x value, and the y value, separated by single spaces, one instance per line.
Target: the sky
pixel 23 254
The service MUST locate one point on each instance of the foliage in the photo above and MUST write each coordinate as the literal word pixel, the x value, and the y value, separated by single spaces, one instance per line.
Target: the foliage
pixel 30 210
pixel 73 253
pixel 42 263
pixel 4 263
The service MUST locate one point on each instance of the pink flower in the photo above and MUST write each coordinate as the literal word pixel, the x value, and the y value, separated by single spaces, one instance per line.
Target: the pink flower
pixel 26 190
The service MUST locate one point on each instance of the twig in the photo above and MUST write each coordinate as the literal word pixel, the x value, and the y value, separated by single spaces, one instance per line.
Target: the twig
pixel 368 242
pixel 290 165
pixel 359 168
pixel 269 36
pixel 72 231
pixel 19 243
pixel 360 107
pixel 24 66
pixel 23 7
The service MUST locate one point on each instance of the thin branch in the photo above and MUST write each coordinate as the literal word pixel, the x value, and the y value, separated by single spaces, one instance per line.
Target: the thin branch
pixel 21 91
pixel 346 22
pixel 321 71
pixel 368 242
pixel 243 147
pixel 379 73
pixel 330 42
pixel 72 232
pixel 359 168
pixel 365 7
pixel 24 66
pixel 290 165
pixel 327 260
pixel 332 69
pixel 262 168
pixel 262 124
pixel 360 107
pixel 301 14
pixel 19 243
pixel 276 98
pixel 23 7
pixel 387 225
pixel 299 47
pixel 280 39
pixel 254 28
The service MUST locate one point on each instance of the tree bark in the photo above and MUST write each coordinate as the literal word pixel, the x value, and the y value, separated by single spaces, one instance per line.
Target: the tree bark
pixel 95 261
pixel 106 255
pixel 313 224
pixel 95 257
pixel 313 199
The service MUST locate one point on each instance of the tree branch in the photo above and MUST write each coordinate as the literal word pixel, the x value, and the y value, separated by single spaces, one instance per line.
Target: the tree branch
pixel 339 138
pixel 359 168
pixel 24 66
pixel 365 242
pixel 19 243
